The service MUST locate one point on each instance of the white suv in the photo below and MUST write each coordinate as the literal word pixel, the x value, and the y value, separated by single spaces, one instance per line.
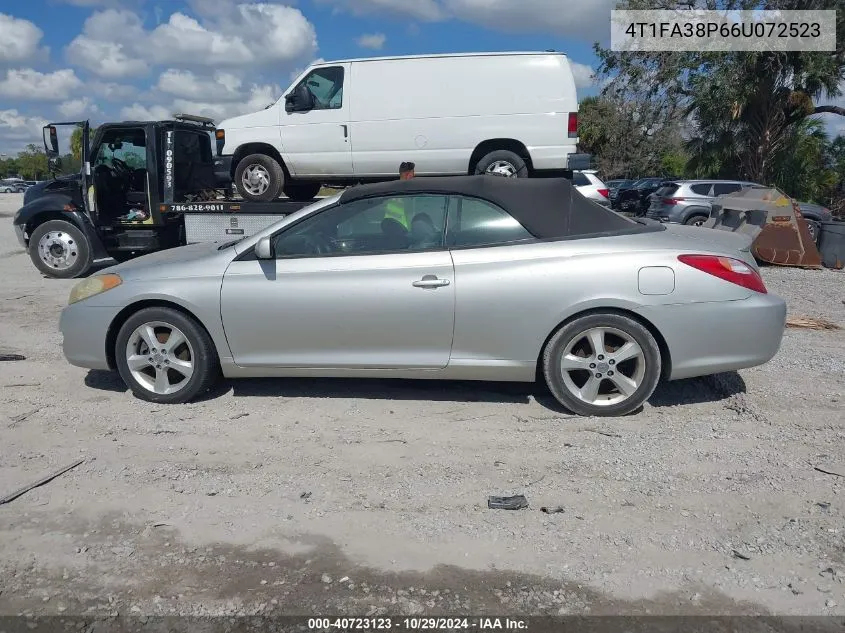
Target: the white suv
pixel 591 186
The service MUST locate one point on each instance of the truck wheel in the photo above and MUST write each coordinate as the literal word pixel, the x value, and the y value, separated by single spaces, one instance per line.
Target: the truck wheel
pixel 165 356
pixel 814 229
pixel 259 178
pixel 502 163
pixel 59 249
pixel 302 191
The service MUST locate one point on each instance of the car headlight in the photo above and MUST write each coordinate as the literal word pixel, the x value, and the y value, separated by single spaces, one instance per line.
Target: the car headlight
pixel 94 285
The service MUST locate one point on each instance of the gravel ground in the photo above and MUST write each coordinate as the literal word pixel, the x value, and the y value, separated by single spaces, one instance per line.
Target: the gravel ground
pixel 366 496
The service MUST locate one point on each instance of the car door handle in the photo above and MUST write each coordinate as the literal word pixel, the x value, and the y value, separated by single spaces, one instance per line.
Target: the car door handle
pixel 430 281
pixel 345 131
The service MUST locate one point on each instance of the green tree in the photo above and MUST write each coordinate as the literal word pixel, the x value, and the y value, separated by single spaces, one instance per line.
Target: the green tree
pixel 32 163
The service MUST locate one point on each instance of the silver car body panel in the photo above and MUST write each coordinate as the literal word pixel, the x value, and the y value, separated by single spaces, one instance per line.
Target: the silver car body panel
pixel 361 315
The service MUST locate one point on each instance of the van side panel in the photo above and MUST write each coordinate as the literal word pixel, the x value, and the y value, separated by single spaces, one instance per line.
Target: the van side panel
pixel 435 111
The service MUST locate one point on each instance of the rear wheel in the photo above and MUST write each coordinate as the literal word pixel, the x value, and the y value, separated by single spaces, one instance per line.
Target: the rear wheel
pixel 302 191
pixel 59 249
pixel 502 162
pixel 696 220
pixel 602 365
pixel 165 356
pixel 259 178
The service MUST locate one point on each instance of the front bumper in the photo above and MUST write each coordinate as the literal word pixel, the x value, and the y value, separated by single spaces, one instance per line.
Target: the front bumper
pixel 84 330
pixel 714 337
pixel 21 235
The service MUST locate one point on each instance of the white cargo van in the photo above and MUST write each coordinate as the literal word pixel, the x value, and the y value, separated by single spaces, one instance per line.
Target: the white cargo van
pixel 352 121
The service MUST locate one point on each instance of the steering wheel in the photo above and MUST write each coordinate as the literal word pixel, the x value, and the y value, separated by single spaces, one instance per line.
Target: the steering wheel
pixel 320 243
pixel 121 166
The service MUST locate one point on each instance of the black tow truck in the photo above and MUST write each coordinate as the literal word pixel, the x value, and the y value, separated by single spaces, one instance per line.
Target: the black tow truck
pixel 143 186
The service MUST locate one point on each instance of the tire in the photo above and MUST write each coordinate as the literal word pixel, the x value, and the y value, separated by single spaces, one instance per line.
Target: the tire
pixel 197 352
pixel 60 249
pixel 267 178
pixel 302 191
pixel 696 220
pixel 815 230
pixel 502 162
pixel 572 340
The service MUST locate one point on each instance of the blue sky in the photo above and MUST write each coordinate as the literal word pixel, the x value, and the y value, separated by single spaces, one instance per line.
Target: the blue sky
pixel 115 59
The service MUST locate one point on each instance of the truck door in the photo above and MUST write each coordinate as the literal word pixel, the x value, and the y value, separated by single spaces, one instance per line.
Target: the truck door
pixel 317 141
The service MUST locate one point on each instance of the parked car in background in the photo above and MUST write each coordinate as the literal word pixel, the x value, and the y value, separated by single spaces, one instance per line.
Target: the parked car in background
pixel 635 199
pixel 340 123
pixel 615 185
pixel 12 186
pixel 591 186
pixel 815 214
pixel 689 201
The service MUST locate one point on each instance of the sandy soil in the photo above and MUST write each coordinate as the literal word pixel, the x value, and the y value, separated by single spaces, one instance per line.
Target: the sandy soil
pixel 369 497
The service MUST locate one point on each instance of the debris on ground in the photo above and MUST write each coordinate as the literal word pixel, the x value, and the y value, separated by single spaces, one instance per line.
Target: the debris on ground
pixel 811 323
pixel 830 470
pixel 305 496
pixel 22 491
pixel 517 502
pixel 740 555
pixel 557 510
pixel 12 357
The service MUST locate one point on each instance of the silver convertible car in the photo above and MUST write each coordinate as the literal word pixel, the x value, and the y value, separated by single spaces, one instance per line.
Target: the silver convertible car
pixel 453 278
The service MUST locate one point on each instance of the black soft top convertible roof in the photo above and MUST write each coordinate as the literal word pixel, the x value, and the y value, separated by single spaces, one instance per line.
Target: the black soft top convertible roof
pixel 549 208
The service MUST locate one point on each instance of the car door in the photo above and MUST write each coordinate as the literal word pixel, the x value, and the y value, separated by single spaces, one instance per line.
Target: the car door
pixel 317 142
pixel 347 289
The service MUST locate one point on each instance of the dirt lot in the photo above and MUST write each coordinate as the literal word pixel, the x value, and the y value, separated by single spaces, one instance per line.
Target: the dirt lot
pixel 365 497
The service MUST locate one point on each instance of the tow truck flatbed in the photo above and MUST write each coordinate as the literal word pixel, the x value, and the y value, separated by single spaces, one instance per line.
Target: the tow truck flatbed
pixel 276 207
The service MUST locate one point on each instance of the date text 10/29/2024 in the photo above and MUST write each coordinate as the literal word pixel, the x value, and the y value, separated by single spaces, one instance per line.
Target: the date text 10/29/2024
pixel 417 624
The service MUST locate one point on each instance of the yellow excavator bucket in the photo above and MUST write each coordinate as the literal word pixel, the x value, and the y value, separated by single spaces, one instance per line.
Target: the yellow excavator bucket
pixel 779 231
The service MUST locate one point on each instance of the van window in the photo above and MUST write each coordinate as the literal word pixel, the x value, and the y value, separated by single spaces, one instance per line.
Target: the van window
pixel 702 189
pixel 722 188
pixel 326 84
pixel 474 222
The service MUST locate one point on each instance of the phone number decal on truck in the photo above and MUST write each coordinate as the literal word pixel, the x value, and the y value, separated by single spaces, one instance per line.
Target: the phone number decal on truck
pixel 197 207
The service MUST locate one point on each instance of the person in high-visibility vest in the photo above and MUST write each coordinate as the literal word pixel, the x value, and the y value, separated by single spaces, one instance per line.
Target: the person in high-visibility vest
pixel 396 206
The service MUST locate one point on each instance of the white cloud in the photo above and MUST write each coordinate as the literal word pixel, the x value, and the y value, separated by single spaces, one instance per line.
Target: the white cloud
pixel 77 108
pixel 20 39
pixel 186 85
pixel 583 74
pixel 106 45
pixel 115 44
pixel 585 21
pixel 138 112
pixel 112 91
pixel 374 41
pixel 26 83
pixel 17 130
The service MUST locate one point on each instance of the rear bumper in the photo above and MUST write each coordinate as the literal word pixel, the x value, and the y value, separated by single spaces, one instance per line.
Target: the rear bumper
pixel 558 157
pixel 709 338
pixel 84 330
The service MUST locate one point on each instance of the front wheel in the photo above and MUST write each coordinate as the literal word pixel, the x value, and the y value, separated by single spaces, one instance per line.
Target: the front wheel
pixel 165 356
pixel 259 178
pixel 502 163
pixel 59 249
pixel 696 220
pixel 602 365
pixel 302 191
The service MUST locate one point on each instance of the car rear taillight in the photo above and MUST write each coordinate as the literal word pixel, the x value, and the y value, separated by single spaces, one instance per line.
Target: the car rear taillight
pixel 605 192
pixel 573 125
pixel 727 268
pixel 671 201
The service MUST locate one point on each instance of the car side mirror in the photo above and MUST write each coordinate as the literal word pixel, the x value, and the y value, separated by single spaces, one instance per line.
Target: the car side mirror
pixel 300 100
pixel 264 248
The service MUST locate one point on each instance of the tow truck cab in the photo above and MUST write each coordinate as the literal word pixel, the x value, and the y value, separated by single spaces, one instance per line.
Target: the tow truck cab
pixel 137 182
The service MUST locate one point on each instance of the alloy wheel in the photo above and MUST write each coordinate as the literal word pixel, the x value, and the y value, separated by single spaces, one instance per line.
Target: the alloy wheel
pixel 256 179
pixel 602 366
pixel 501 168
pixel 160 357
pixel 58 250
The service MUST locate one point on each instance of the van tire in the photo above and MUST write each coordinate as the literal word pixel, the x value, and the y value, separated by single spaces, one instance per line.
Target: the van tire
pixel 302 191
pixel 59 249
pixel 268 178
pixel 502 162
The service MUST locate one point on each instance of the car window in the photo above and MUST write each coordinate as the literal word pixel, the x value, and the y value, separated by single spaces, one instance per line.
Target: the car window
pixel 326 84
pixel 701 189
pixel 373 226
pixel 722 188
pixel 474 222
pixel 667 189
pixel 579 179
